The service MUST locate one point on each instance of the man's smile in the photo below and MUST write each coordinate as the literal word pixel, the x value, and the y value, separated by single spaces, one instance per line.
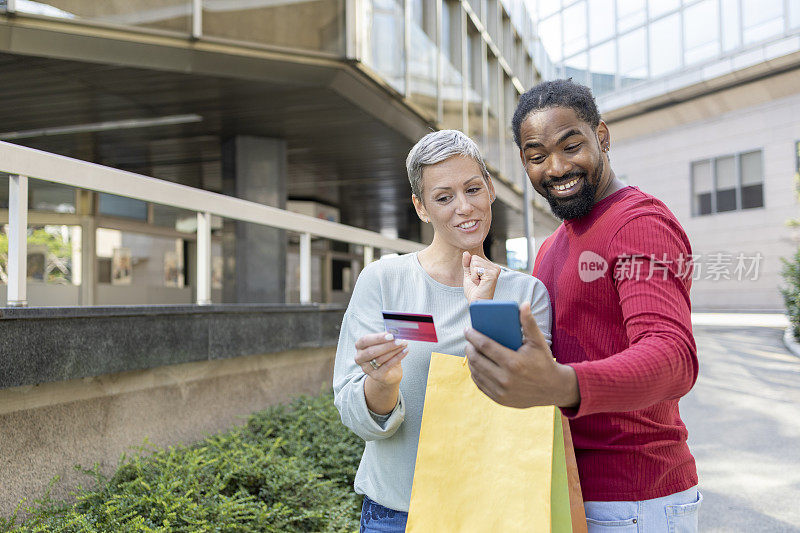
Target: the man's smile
pixel 571 184
pixel 566 189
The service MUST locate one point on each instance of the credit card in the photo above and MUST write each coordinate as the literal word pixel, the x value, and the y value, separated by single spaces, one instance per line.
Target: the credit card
pixel 410 326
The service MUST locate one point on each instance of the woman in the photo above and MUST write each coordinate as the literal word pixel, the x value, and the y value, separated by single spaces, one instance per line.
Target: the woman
pixel 379 398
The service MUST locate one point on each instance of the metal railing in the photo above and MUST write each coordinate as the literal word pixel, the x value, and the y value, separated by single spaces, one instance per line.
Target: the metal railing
pixel 22 163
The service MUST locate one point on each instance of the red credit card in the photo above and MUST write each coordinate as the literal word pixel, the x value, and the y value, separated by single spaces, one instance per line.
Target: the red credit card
pixel 410 326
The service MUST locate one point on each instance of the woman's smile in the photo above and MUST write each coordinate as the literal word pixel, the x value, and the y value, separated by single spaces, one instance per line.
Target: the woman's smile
pixel 469 226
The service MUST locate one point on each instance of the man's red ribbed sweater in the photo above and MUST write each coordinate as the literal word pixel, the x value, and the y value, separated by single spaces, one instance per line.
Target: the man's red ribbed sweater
pixel 629 339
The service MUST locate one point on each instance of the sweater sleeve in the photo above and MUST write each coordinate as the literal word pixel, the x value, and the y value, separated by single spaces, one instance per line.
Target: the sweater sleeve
pixel 647 260
pixel 541 311
pixel 363 316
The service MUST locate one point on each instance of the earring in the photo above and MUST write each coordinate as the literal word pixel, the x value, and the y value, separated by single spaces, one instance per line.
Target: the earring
pixel 606 148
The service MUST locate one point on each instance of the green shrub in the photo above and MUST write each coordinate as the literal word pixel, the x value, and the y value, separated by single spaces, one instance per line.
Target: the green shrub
pixel 791 292
pixel 290 468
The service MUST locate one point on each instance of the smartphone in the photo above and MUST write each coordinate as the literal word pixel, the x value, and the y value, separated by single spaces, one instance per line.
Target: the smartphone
pixel 498 320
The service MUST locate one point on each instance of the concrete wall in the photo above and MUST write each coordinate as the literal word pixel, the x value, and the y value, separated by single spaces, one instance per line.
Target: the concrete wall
pixel 654 151
pixel 47 429
pixel 85 384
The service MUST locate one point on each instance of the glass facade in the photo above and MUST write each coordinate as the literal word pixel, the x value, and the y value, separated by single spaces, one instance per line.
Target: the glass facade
pixel 385 35
pixel 467 63
pixel 613 44
pixel 307 25
pixel 171 15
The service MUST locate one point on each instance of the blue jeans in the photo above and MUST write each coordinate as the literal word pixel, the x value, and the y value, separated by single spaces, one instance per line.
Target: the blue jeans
pixel 375 518
pixel 676 513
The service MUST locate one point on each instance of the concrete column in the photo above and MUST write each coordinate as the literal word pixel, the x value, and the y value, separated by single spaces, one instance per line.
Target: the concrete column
pixel 88 262
pixel 254 169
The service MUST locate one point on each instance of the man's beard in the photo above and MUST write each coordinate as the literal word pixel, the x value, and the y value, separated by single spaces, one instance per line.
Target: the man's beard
pixel 580 204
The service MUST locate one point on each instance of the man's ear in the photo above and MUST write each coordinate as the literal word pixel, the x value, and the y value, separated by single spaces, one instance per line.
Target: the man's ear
pixel 420 208
pixel 603 136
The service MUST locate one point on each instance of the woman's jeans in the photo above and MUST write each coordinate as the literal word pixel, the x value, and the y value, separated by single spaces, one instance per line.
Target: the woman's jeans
pixel 676 513
pixel 375 518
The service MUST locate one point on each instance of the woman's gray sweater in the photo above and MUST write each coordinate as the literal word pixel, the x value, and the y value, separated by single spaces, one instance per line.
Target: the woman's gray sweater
pixel 401 284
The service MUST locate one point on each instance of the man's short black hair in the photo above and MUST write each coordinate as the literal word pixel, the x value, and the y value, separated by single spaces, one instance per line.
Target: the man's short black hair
pixel 556 93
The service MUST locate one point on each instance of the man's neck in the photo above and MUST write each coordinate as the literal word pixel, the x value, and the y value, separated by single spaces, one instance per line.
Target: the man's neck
pixel 613 186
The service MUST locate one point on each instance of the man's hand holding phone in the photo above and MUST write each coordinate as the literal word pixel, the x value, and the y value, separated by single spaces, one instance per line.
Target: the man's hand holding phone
pixel 523 378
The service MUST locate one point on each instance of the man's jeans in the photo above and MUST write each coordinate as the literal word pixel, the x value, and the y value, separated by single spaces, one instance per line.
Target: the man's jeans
pixel 676 513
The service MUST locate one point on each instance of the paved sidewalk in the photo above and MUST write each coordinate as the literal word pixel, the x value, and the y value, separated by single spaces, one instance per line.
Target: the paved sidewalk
pixel 743 417
pixel 768 320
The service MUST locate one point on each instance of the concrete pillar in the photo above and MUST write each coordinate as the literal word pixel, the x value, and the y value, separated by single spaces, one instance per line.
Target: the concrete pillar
pixel 88 256
pixel 254 169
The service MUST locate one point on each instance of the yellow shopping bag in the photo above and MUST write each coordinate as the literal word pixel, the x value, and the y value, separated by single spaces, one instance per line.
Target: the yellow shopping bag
pixel 485 468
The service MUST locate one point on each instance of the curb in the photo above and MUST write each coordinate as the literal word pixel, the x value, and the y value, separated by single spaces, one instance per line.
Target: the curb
pixel 791 343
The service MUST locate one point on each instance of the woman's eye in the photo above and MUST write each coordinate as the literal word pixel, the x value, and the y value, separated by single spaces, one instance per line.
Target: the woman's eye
pixel 442 199
pixel 473 190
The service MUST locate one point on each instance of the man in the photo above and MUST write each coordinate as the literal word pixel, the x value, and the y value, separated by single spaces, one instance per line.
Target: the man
pixel 616 272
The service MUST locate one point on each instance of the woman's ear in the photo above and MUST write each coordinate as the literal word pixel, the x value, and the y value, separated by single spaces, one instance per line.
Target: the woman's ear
pixel 420 208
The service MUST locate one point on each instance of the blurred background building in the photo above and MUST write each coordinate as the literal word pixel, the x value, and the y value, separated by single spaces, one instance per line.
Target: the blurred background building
pixel 702 98
pixel 309 106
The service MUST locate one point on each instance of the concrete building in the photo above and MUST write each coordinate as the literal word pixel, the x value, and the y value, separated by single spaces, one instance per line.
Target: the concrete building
pixel 702 98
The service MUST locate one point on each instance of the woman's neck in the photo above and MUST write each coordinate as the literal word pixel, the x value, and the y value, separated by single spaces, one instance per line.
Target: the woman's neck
pixel 442 262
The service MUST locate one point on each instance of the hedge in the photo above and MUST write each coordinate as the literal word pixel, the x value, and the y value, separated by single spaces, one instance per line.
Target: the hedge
pixel 791 291
pixel 289 468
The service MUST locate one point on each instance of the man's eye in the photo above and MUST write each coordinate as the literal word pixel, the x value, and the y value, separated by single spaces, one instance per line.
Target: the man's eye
pixel 536 159
pixel 573 147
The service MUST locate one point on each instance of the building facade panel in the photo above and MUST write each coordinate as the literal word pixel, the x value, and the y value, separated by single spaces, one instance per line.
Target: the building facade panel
pixel 661 164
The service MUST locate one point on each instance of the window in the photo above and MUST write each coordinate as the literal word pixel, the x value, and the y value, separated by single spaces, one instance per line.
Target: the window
pixel 761 19
pixel 630 13
pixel 550 34
pixel 633 57
pixel 727 183
pixel 752 180
pixel 659 7
pixel 575 30
pixel 601 20
pixel 701 31
pixel 731 27
pixel 576 68
pixel 603 66
pixel 665 45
